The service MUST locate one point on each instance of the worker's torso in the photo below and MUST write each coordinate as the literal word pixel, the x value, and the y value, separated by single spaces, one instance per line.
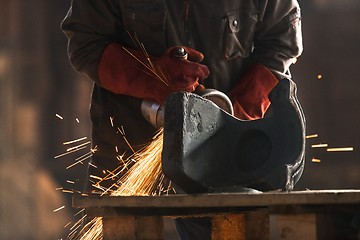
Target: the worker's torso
pixel 222 30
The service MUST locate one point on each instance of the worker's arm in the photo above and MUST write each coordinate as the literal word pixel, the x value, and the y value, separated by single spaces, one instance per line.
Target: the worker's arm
pixel 277 44
pixel 122 71
pixel 96 47
pixel 90 26
pixel 278 37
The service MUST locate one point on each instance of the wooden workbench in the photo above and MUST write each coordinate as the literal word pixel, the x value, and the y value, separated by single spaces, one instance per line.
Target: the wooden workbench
pixel 271 215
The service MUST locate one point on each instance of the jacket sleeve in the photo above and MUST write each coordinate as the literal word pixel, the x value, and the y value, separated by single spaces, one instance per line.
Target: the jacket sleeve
pixel 90 25
pixel 278 38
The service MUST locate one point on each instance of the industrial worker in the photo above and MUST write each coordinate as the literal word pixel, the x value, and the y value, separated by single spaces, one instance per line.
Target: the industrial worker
pixel 241 48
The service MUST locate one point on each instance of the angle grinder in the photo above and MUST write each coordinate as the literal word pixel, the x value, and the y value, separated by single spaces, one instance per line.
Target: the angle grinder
pixel 154 112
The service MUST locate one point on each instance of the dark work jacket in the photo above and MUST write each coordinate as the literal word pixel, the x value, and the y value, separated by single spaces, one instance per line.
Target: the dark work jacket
pixel 231 33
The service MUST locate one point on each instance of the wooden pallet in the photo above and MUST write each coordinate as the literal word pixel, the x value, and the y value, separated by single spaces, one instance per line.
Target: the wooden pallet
pixel 272 215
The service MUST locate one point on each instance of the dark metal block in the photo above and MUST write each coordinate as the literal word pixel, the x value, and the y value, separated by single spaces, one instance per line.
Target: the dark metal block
pixel 208 150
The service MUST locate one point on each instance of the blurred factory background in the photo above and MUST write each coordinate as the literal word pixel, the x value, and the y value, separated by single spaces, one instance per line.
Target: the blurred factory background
pixel 37 82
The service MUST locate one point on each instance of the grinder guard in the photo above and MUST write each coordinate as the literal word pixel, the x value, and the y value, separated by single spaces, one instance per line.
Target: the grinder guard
pixel 206 149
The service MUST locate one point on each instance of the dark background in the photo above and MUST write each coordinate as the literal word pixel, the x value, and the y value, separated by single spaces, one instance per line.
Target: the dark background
pixel 37 82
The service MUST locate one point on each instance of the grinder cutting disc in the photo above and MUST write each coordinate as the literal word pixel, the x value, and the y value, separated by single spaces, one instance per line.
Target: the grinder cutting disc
pixel 219 98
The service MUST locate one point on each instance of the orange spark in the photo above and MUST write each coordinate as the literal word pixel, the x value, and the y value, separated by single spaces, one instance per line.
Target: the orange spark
pixel 312 136
pixel 112 121
pixel 69 152
pixel 315 160
pixel 122 132
pixel 96 177
pixel 321 145
pixel 58 209
pixel 67 191
pixel 94 149
pixel 75 141
pixel 67 224
pixel 82 210
pixel 343 149
pixel 91 164
pixel 80 159
pixel 78 146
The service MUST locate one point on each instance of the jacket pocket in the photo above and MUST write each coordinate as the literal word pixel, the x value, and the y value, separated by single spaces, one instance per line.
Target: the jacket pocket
pixel 238 28
pixel 146 20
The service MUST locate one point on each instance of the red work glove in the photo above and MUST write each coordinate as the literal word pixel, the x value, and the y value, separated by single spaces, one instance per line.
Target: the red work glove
pixel 250 96
pixel 120 72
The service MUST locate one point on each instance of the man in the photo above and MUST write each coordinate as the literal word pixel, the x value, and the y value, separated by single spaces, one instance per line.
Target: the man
pixel 241 48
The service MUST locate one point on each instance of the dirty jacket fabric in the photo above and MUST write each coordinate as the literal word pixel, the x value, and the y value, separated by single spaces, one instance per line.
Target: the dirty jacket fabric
pixel 232 34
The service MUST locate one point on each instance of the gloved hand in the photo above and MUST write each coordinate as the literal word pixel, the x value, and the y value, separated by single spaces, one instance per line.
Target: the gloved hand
pixel 121 72
pixel 250 96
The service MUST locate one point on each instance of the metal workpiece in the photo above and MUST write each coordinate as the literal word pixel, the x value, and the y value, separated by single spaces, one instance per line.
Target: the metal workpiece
pixel 206 149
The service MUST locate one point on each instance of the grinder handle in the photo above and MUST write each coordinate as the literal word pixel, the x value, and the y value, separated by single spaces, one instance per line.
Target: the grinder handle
pixel 181 54
pixel 217 97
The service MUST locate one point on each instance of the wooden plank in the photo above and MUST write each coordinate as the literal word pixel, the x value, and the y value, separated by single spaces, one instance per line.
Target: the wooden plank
pixel 299 214
pixel 132 228
pixel 294 227
pixel 254 225
pixel 222 200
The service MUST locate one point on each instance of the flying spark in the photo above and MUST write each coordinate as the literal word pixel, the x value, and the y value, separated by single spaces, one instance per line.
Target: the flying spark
pixel 94 149
pixel 69 152
pixel 58 116
pixel 58 209
pixel 312 136
pixel 75 141
pixel 78 146
pixel 67 191
pixel 112 121
pixel 80 160
pixel 96 177
pixel 321 145
pixel 82 210
pixel 68 224
pixel 144 178
pixel 315 160
pixel 92 165
pixel 344 149
pixel 122 132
